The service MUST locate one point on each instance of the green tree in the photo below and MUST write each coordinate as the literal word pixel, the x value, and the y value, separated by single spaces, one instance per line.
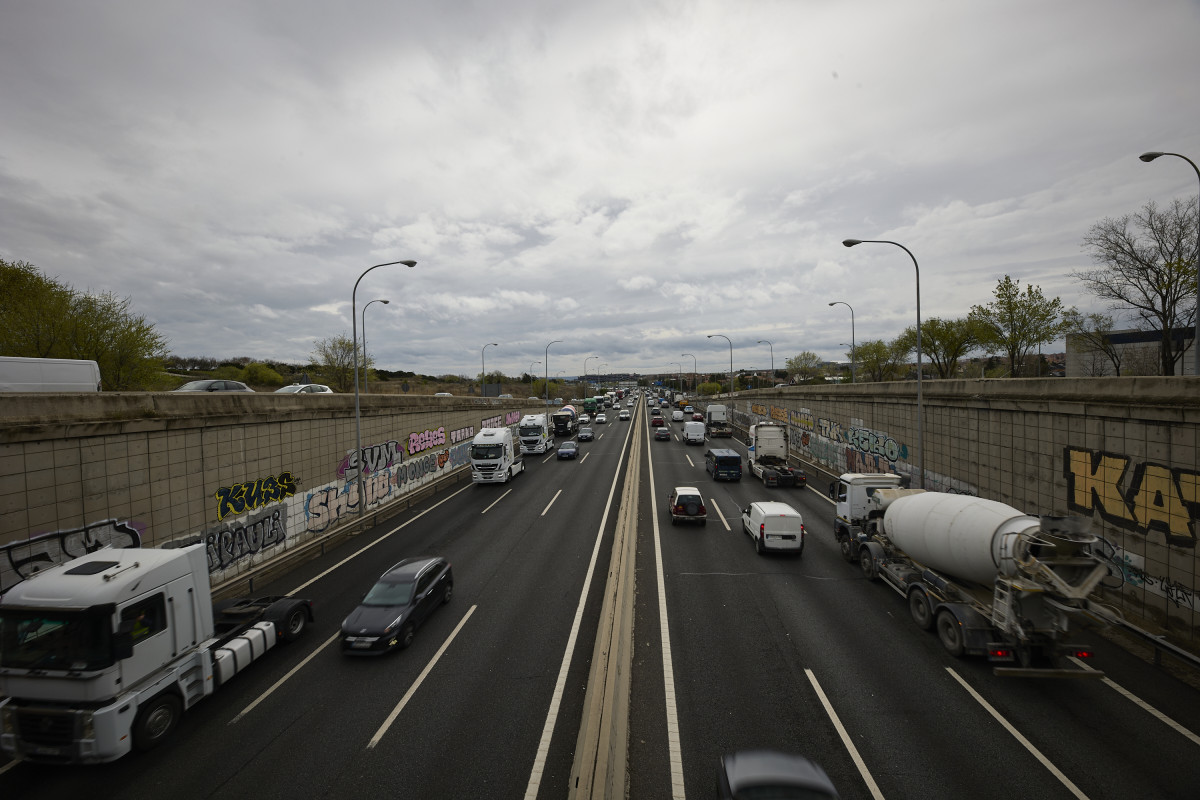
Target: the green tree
pixel 41 317
pixel 883 361
pixel 1016 322
pixel 947 341
pixel 804 367
pixel 334 357
pixel 1147 267
pixel 708 388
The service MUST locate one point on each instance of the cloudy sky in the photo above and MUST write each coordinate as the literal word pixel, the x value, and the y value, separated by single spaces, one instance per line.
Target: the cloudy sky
pixel 627 177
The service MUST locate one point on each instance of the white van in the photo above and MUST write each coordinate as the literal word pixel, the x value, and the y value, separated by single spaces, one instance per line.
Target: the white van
pixel 494 457
pixel 774 526
pixel 693 433
pixel 48 375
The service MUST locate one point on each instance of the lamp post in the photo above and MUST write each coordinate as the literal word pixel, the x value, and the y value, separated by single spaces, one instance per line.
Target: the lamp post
pixel 585 372
pixel 532 364
pixel 852 355
pixel 362 501
pixel 1148 157
pixel 679 372
pixel 547 366
pixel 366 380
pixel 920 368
pixel 726 338
pixel 483 368
pixel 695 369
pixel 768 344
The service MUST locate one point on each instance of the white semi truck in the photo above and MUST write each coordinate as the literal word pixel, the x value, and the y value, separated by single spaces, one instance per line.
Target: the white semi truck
pixel 768 448
pixel 991 580
pixel 103 654
pixel 536 434
pixel 495 457
pixel 716 421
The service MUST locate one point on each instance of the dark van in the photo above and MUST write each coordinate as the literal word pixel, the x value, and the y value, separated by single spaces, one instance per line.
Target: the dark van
pixel 723 464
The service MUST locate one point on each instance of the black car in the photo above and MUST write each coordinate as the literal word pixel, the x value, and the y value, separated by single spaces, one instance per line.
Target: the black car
pixel 585 435
pixel 402 598
pixel 214 386
pixel 768 773
pixel 662 434
pixel 568 449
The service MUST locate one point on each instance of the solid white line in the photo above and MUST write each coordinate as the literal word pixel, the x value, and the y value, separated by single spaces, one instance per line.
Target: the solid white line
pixel 387 723
pixel 713 502
pixel 674 751
pixel 365 548
pixel 689 458
pixel 497 500
pixel 539 760
pixel 1063 779
pixel 552 499
pixel 846 740
pixel 289 674
pixel 1128 695
pixel 585 455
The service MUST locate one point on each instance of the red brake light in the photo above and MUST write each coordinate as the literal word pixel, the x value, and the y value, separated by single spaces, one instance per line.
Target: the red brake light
pixel 1080 652
pixel 762 529
pixel 1000 652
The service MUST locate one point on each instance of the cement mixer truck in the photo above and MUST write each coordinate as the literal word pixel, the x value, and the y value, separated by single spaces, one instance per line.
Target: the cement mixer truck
pixel 566 421
pixel 990 580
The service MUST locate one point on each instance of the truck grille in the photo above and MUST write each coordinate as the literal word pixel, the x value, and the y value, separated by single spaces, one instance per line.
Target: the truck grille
pixel 46 727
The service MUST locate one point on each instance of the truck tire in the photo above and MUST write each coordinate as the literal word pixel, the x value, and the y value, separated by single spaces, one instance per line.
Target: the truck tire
pixel 866 560
pixel 155 721
pixel 847 548
pixel 950 632
pixel 919 608
pixel 290 617
pixel 294 623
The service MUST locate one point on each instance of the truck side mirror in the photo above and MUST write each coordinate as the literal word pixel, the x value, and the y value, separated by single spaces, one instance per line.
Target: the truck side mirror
pixel 833 493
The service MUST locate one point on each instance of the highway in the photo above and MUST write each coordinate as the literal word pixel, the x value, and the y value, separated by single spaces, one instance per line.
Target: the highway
pixel 801 654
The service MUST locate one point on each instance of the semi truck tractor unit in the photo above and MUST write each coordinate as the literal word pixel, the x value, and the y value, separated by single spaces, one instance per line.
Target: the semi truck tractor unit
pixel 716 421
pixel 536 434
pixel 989 579
pixel 768 448
pixel 104 653
pixel 495 457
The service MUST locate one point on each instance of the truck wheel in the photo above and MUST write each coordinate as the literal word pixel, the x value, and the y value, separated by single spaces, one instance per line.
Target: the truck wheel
pixel 867 562
pixel 847 548
pixel 155 721
pixel 950 632
pixel 294 623
pixel 918 606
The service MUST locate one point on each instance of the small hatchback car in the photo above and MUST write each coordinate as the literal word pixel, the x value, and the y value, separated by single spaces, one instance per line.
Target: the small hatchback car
pixel 402 598
pixel 685 503
pixel 768 773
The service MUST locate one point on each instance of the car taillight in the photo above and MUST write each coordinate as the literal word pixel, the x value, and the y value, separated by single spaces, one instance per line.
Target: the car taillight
pixel 802 532
pixel 762 530
pixel 1079 652
pixel 702 511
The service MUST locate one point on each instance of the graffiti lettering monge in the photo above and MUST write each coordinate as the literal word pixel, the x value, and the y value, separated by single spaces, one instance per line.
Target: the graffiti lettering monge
pixel 243 497
pixel 226 546
pixel 1149 498
pixel 22 559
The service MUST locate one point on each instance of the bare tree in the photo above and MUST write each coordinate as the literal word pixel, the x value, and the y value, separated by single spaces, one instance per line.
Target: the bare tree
pixel 1093 342
pixel 1016 322
pixel 1147 267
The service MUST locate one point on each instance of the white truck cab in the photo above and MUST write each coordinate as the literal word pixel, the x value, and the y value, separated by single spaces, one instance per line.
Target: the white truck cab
pixel 536 434
pixel 495 457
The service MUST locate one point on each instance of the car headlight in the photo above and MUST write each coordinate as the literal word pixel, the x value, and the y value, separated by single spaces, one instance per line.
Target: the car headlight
pixel 395 624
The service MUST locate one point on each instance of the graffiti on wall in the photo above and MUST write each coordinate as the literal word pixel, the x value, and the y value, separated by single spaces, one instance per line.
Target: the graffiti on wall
pixel 243 497
pixel 232 543
pixel 1141 497
pixel 373 457
pixel 1129 569
pixel 501 420
pixel 24 558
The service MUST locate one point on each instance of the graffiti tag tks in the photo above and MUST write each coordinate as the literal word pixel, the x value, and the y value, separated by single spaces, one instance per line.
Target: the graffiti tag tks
pixel 1150 497
pixel 242 497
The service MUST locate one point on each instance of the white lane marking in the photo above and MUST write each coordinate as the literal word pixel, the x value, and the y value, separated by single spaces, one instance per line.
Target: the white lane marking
pixel 539 761
pixel 497 500
pixel 552 499
pixel 1128 695
pixel 367 547
pixel 585 455
pixel 674 751
pixel 846 740
pixel 8 766
pixel 689 458
pixel 282 680
pixel 725 522
pixel 387 723
pixel 1055 771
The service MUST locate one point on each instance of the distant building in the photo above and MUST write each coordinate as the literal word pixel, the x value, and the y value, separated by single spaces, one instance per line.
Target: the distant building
pixel 1136 352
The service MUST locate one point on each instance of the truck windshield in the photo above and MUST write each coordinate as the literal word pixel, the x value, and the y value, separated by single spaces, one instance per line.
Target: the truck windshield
pixel 485 451
pixel 531 430
pixel 52 639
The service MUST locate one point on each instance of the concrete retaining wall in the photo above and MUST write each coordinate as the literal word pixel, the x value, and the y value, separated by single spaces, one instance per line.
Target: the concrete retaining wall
pixel 257 476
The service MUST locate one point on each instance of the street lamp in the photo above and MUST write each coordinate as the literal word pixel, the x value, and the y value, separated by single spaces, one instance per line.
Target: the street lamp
pixel 362 502
pixel 768 344
pixel 483 367
pixel 695 369
pixel 852 357
pixel 585 372
pixel 920 368
pixel 726 338
pixel 680 372
pixel 1148 157
pixel 547 365
pixel 366 383
pixel 532 364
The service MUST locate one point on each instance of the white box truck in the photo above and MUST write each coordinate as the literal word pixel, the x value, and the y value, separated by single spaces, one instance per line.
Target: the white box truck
pixel 48 375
